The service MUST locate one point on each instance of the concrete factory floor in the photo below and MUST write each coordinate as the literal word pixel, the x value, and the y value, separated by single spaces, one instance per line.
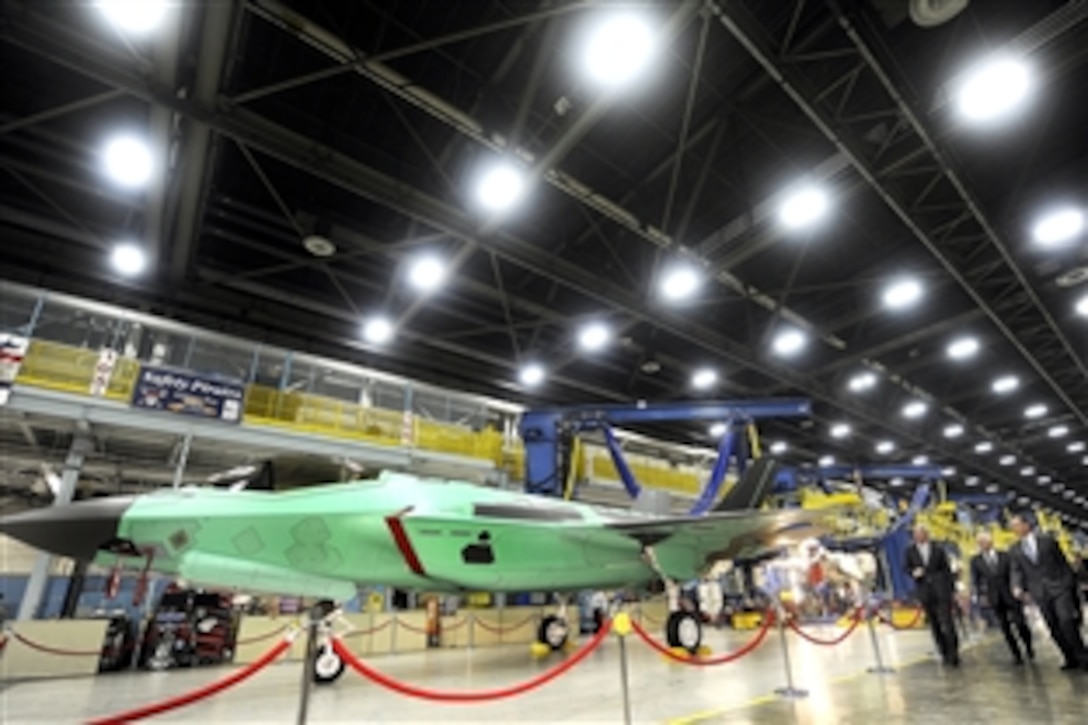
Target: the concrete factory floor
pixel 985 690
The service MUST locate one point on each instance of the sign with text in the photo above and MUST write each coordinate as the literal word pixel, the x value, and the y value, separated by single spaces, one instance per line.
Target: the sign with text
pixel 188 393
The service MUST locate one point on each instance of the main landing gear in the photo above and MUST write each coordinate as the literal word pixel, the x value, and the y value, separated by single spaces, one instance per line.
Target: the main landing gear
pixel 683 629
pixel 554 630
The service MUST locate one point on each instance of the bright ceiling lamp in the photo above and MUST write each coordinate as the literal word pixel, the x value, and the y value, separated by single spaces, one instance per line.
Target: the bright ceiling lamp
pixel 378 330
pixel 840 430
pixel 718 430
pixel 500 187
pixel 971 480
pixel 915 409
pixel 704 378
pixel 531 375
pixel 953 430
pixel 138 17
pixel 920 461
pixel 127 160
pixel 984 447
pixel 679 283
pixel 1058 227
pixel 993 89
pixel 427 273
pixel 618 48
pixel 1007 460
pixel 803 207
pixel 902 293
pixel 1082 306
pixel 861 382
pixel 789 342
pixel 885 447
pixel 826 461
pixel 897 481
pixel 1058 431
pixel 779 447
pixel 1043 480
pixel 1075 447
pixel 1027 471
pixel 1005 384
pixel 963 348
pixel 128 259
pixel 594 336
pixel 1035 411
pixel 948 471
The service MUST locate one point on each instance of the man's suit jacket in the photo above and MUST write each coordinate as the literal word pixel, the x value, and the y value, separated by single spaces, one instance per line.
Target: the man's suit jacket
pixel 937 582
pixel 994 581
pixel 1050 575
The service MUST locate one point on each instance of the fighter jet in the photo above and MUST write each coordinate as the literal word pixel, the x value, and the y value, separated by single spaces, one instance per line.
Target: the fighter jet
pixel 403 531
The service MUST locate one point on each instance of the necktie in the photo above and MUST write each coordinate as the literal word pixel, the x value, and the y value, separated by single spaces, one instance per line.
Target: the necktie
pixel 1029 549
pixel 991 558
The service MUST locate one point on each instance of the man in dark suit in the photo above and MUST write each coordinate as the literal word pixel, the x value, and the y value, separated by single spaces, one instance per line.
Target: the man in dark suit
pixel 1040 568
pixel 935 585
pixel 991 577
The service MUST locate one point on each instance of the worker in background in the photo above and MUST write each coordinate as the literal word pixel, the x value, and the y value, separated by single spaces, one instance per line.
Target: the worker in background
pixel 1039 568
pixel 991 584
pixel 935 585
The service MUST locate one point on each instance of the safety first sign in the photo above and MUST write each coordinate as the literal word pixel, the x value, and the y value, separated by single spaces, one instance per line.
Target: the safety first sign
pixel 12 352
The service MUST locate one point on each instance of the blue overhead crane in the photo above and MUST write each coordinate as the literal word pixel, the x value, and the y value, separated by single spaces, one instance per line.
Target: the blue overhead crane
pixel 548 435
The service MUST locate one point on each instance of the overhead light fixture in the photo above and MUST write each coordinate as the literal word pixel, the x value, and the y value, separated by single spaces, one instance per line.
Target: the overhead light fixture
pixel 1035 411
pixel 128 259
pixel 128 161
pixel 1005 384
pixel 778 447
pixel 971 480
pixel 948 471
pixel 789 342
pixel 984 447
pixel 920 461
pixel 992 488
pixel 963 348
pixel 427 273
pixel 679 283
pixel 1007 460
pixel 1058 431
pixel 500 188
pixel 1084 461
pixel 803 207
pixel 953 430
pixel 897 481
pixel 1082 306
pixel 840 430
pixel 138 17
pixel 1043 480
pixel 902 293
pixel 1075 447
pixel 594 336
pixel 826 461
pixel 378 330
pixel 1027 471
pixel 718 430
pixel 915 409
pixel 993 89
pixel 703 379
pixel 1058 227
pixel 862 381
pixel 531 375
pixel 885 447
pixel 618 48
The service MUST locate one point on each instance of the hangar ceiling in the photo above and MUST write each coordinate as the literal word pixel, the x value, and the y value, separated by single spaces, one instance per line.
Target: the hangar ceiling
pixel 368 123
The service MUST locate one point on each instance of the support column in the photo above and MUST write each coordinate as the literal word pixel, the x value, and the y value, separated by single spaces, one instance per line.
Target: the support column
pixel 183 459
pixel 39 576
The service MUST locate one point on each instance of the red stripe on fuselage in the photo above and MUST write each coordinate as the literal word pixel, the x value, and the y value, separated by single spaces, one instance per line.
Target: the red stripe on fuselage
pixel 400 536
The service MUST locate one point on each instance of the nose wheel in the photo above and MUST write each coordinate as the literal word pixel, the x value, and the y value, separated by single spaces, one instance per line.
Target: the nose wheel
pixel 684 630
pixel 553 632
pixel 327 665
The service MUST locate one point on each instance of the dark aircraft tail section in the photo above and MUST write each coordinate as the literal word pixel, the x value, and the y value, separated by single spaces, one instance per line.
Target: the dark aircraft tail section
pixel 752 488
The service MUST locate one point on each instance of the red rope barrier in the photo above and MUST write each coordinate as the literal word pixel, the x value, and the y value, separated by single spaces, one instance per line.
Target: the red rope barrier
pixel 55 650
pixel 411 628
pixel 887 619
pixel 482 695
pixel 260 637
pixel 372 630
pixel 827 642
pixel 188 698
pixel 705 661
pixel 453 626
pixel 500 630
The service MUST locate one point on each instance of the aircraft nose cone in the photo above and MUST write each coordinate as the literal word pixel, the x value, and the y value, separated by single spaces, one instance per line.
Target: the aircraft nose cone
pixel 76 530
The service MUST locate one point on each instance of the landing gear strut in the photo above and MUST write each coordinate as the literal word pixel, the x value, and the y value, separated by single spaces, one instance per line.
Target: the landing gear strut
pixel 683 629
pixel 326 665
pixel 554 629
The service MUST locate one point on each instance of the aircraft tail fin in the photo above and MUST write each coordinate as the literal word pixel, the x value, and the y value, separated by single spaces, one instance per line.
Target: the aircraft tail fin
pixel 752 488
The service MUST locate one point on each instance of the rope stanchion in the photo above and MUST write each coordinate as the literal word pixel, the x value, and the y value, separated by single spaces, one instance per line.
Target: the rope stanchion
pixel 705 661
pixel 792 624
pixel 500 630
pixel 789 691
pixel 189 698
pixel 465 697
pixel 46 649
pixel 261 637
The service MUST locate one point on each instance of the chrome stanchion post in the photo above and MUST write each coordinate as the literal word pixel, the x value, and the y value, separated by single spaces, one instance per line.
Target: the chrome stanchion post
pixel 308 659
pixel 789 690
pixel 621 625
pixel 879 669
